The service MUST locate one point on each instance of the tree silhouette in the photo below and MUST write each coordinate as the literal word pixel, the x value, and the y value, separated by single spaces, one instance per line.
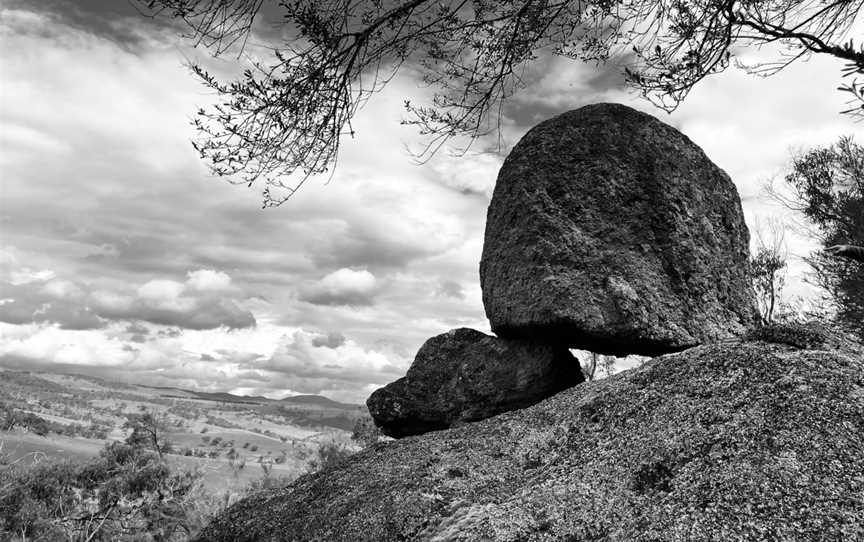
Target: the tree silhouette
pixel 282 120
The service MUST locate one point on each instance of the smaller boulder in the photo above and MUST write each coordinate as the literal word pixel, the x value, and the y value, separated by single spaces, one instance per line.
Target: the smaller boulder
pixel 464 375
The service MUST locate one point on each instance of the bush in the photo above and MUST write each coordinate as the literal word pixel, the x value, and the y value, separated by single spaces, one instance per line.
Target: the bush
pixel 125 492
pixel 329 454
pixel 9 419
pixel 365 433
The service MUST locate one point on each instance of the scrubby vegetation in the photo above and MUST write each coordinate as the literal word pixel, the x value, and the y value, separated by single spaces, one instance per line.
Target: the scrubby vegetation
pixel 126 493
pixel 86 460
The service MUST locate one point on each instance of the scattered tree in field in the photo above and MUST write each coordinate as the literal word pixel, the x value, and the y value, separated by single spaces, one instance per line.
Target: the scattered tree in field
pixel 10 419
pixel 827 187
pixel 148 431
pixel 282 120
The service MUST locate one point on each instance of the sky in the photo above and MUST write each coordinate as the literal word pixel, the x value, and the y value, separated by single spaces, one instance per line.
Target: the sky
pixel 121 257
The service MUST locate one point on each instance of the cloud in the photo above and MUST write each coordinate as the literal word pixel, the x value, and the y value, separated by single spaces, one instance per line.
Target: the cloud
pixel 165 302
pixel 310 366
pixel 342 287
pixel 208 280
pixel 330 340
pixel 449 288
pixel 119 22
pixel 30 302
pixel 265 360
pixel 199 303
pixel 161 291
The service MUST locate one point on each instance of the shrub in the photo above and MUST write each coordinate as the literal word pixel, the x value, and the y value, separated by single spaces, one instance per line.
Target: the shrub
pixel 365 432
pixel 125 492
pixel 328 455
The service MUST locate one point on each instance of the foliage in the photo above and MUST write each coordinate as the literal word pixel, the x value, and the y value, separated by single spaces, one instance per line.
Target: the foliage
pixel 767 269
pixel 596 361
pixel 365 432
pixel 126 493
pixel 329 455
pixel 768 281
pixel 283 119
pixel 10 419
pixel 148 431
pixel 827 186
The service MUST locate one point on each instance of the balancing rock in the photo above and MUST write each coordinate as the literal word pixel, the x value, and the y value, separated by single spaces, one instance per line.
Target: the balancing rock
pixel 611 231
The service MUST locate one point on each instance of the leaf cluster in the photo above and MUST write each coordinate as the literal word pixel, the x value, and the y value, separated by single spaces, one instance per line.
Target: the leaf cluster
pixel 828 188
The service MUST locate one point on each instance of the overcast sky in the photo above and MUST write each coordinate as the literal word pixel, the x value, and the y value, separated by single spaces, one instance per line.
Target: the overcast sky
pixel 121 257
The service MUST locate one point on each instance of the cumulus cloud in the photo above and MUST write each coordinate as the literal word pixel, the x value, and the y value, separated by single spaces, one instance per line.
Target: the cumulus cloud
pixel 309 366
pixel 31 302
pixel 208 280
pixel 161 291
pixel 165 302
pixel 342 287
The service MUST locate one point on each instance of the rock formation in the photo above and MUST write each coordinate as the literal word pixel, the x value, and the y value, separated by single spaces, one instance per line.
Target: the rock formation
pixel 734 441
pixel 611 231
pixel 465 375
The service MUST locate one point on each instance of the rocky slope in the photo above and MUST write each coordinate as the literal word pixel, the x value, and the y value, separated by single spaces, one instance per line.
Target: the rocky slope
pixel 754 440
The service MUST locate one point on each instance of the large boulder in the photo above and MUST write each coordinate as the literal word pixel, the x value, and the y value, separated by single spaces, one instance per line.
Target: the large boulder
pixel 731 441
pixel 464 375
pixel 611 231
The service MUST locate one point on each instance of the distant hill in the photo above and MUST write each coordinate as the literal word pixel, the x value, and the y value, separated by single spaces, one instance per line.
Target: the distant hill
pixel 225 397
pixel 317 400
